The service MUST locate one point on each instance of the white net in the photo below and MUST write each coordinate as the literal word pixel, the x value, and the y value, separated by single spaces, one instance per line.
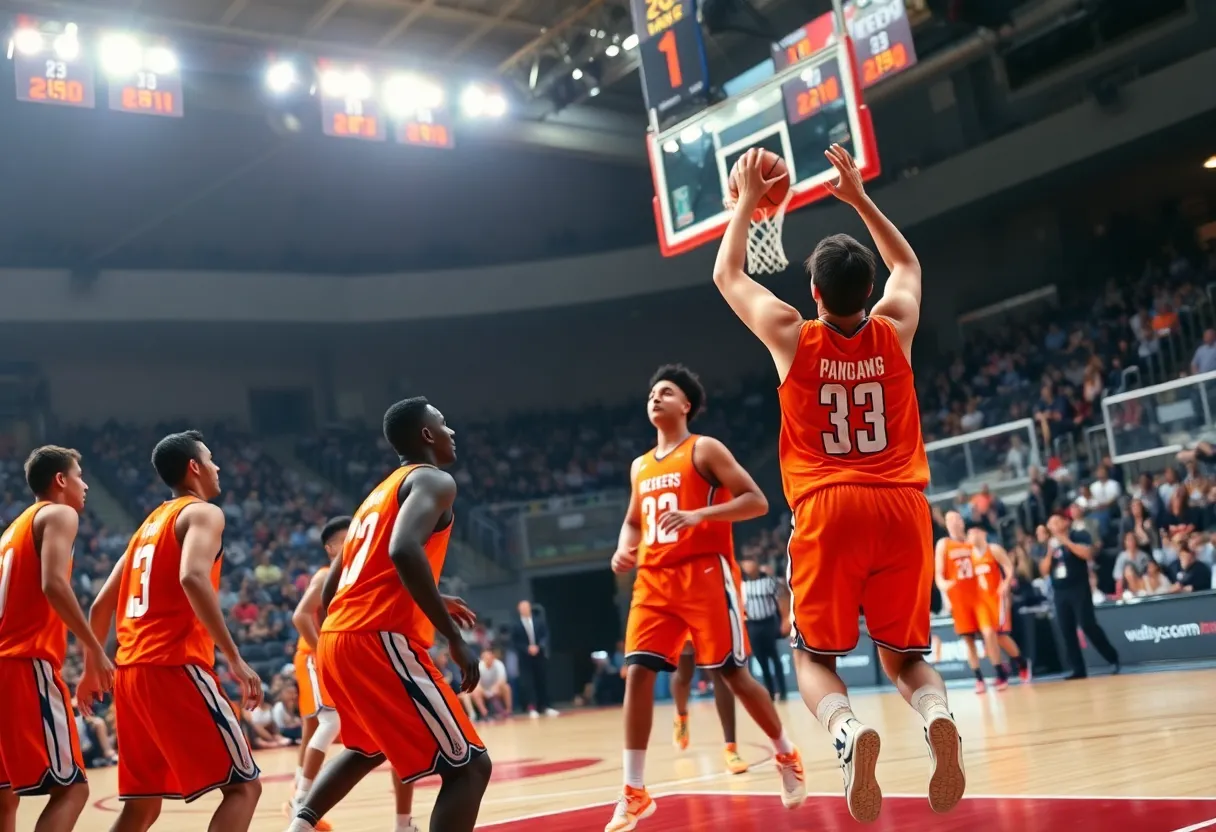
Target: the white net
pixel 765 252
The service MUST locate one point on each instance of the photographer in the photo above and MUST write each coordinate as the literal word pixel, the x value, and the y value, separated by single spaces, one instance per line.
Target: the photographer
pixel 1070 549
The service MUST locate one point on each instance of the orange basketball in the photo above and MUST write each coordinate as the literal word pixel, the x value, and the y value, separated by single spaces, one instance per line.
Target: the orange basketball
pixel 772 165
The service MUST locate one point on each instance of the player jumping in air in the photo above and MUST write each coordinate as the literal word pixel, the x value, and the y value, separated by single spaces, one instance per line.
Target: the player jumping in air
pixel 854 471
pixel 39 746
pixel 380 609
pixel 677 533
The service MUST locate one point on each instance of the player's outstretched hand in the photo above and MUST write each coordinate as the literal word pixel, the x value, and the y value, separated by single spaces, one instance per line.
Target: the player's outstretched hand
pixel 849 187
pixel 460 612
pixel 749 179
pixel 250 682
pixel 466 659
pixel 624 560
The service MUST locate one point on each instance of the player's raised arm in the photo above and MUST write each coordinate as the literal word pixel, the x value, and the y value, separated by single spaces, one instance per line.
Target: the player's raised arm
pixel 771 319
pixel 901 297
pixel 201 528
pixel 720 466
pixel 626 555
pixel 59 524
pixel 305 616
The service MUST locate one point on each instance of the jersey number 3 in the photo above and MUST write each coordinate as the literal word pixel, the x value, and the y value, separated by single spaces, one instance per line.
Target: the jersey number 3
pixel 839 440
pixel 652 509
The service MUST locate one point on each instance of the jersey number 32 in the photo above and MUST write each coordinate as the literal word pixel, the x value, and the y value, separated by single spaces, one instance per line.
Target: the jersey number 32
pixel 869 399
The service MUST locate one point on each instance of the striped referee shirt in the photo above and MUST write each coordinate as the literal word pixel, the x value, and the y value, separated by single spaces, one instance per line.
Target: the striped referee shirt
pixel 760 597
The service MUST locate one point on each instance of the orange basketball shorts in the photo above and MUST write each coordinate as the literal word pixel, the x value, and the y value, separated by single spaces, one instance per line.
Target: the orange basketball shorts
pixel 963 609
pixel 698 597
pixel 393 701
pixel 179 735
pixel 861 549
pixel 39 746
pixel 312 690
pixel 992 613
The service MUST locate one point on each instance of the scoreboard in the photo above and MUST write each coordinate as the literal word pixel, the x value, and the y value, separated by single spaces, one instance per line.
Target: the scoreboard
pixel 408 107
pixel 881 32
pixel 49 68
pixel 672 45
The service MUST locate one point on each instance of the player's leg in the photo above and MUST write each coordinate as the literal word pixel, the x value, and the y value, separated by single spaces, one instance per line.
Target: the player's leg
pixel 309 727
pixel 39 743
pixel 238 803
pixel 329 726
pixel 724 703
pixel 403 796
pixel 653 636
pixel 1005 639
pixel 334 782
pixel 828 563
pixel 8 804
pixel 459 799
pixel 308 705
pixel 681 693
pixel 896 601
pixel 973 657
pixel 992 648
pixel 137 815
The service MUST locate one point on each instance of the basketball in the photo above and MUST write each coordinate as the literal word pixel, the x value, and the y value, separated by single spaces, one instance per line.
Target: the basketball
pixel 772 165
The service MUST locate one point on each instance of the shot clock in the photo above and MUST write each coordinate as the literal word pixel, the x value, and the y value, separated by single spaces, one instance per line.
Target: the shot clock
pixel 672 46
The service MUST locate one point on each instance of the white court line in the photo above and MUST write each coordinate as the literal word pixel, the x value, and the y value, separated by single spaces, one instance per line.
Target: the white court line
pixel 1119 797
pixel 1194 826
pixel 667 784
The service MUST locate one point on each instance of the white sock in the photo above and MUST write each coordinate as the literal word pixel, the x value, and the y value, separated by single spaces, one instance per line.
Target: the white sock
pixel 303 786
pixel 833 709
pixel 782 743
pixel 930 703
pixel 300 825
pixel 404 823
pixel 635 768
pixel 299 774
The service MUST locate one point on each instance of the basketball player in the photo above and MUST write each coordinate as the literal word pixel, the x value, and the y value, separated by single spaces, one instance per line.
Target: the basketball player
pixel 39 746
pixel 993 577
pixel 954 572
pixel 180 738
pixel 321 723
pixel 687 492
pixel 724 702
pixel 382 607
pixel 854 470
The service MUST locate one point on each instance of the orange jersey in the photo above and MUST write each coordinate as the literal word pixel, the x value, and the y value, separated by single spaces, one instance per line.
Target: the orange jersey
pixel 29 627
pixel 672 483
pixel 303 647
pixel 156 624
pixel 849 413
pixel 959 569
pixel 988 574
pixel 370 595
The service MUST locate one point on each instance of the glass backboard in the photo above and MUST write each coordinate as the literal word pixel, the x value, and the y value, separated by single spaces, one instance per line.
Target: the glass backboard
pixel 796 113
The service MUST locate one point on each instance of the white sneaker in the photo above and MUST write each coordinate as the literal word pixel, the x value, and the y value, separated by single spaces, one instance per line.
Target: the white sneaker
pixel 533 714
pixel 947 779
pixel 857 747
pixel 551 712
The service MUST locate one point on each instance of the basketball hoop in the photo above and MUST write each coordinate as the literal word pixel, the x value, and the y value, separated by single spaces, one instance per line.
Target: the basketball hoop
pixel 765 251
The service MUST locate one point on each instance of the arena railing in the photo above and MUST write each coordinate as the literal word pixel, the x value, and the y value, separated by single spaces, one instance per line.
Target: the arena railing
pixel 1160 420
pixel 549 530
pixel 999 457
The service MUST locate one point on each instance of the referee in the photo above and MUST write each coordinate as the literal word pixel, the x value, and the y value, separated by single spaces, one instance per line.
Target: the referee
pixel 766 610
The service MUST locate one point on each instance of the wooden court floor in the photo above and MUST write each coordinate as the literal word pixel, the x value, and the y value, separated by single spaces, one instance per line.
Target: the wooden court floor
pixel 1134 752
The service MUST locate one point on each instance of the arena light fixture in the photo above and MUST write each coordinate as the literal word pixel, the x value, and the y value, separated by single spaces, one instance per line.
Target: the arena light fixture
pixel 67 44
pixel 594 92
pixel 405 94
pixel 630 42
pixel 121 54
pixel 27 40
pixel 478 101
pixel 333 83
pixel 358 85
pixel 1210 163
pixel 612 50
pixel 161 60
pixel 577 74
pixel 281 77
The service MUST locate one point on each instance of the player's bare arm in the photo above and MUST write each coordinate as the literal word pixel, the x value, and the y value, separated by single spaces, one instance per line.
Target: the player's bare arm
pixel 772 320
pixel 626 555
pixel 939 567
pixel 719 464
pixel 1006 563
pixel 306 615
pixel 329 587
pixel 56 526
pixel 901 297
pixel 200 528
pixel 101 616
pixel 430 497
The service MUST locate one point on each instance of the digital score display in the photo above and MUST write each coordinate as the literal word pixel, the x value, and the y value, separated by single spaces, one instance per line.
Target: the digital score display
pixel 424 134
pixel 352 118
pixel 148 93
pixel 43 79
pixel 882 39
pixel 672 45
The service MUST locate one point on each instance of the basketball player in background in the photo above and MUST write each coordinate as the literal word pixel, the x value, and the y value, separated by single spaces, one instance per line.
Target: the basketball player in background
pixel 180 737
pixel 381 607
pixel 854 471
pixel 39 745
pixel 724 702
pixel 954 573
pixel 687 492
pixel 993 579
pixel 321 723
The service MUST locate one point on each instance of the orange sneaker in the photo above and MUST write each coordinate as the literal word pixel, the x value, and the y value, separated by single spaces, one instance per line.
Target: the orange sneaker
pixel 793 779
pixel 289 812
pixel 679 732
pixel 734 763
pixel 634 805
